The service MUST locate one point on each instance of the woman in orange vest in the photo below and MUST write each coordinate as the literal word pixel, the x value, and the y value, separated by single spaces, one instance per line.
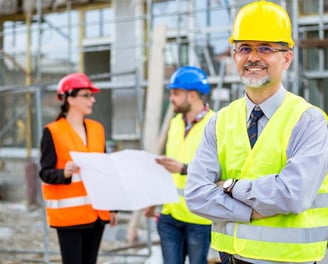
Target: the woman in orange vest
pixel 79 226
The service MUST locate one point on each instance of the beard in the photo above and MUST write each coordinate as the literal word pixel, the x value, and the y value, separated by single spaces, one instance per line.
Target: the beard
pixel 183 109
pixel 255 83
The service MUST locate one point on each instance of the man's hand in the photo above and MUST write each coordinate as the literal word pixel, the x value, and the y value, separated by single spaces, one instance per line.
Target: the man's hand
pixel 255 215
pixel 172 165
pixel 113 219
pixel 149 211
pixel 220 184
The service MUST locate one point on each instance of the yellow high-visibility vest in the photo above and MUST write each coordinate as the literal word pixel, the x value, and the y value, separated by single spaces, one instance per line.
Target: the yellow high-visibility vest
pixel 285 238
pixel 183 149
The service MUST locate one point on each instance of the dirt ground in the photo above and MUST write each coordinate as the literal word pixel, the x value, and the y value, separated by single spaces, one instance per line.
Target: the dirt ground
pixel 24 238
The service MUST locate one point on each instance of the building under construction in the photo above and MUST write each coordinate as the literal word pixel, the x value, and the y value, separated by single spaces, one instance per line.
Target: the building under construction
pixel 129 48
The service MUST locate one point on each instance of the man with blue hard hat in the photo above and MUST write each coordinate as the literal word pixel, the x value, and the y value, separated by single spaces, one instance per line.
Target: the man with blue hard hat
pixel 181 232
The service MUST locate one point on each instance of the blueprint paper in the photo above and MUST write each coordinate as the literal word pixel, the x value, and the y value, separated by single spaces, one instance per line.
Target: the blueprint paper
pixel 125 180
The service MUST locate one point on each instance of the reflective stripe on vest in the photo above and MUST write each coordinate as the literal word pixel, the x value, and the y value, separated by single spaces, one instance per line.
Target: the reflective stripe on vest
pixel 294 238
pixel 183 149
pixel 68 204
pixel 275 234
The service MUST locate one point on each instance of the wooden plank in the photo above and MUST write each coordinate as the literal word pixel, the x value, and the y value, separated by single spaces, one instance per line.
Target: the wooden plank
pixel 154 96
pixel 312 43
pixel 164 129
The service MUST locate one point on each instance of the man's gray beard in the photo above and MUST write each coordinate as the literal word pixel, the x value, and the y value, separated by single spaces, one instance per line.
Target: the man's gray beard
pixel 252 83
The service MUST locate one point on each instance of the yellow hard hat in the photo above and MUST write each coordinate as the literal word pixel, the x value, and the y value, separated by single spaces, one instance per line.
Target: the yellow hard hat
pixel 262 21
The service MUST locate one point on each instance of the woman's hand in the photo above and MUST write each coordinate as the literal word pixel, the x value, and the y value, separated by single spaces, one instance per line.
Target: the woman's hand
pixel 70 169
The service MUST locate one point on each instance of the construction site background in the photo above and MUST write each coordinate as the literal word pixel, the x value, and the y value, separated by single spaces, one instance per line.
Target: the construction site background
pixel 129 48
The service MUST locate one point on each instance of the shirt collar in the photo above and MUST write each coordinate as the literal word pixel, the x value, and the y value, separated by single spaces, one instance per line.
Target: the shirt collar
pixel 198 117
pixel 270 105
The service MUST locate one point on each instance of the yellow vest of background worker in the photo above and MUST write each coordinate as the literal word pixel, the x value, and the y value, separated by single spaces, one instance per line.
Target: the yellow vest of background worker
pixel 274 238
pixel 183 149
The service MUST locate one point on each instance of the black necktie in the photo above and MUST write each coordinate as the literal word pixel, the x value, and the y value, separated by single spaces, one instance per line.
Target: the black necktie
pixel 252 129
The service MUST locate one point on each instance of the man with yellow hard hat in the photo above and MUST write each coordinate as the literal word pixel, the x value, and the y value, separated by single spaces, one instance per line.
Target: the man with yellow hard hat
pixel 260 172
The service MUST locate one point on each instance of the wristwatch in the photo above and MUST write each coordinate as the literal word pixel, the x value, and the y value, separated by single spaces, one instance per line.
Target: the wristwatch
pixel 228 185
pixel 184 169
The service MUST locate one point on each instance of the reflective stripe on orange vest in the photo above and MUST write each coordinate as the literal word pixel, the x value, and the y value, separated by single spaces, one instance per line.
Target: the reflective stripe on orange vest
pixel 69 202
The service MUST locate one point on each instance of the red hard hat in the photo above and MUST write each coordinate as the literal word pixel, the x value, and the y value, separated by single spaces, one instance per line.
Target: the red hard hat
pixel 74 81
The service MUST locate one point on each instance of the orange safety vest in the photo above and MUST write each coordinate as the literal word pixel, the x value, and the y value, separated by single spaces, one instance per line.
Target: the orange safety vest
pixel 69 204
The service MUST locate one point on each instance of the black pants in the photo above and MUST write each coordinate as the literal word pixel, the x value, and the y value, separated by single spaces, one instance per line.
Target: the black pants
pixel 80 245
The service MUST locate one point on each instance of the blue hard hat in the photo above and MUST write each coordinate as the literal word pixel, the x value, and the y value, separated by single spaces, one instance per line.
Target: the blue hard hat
pixel 189 78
